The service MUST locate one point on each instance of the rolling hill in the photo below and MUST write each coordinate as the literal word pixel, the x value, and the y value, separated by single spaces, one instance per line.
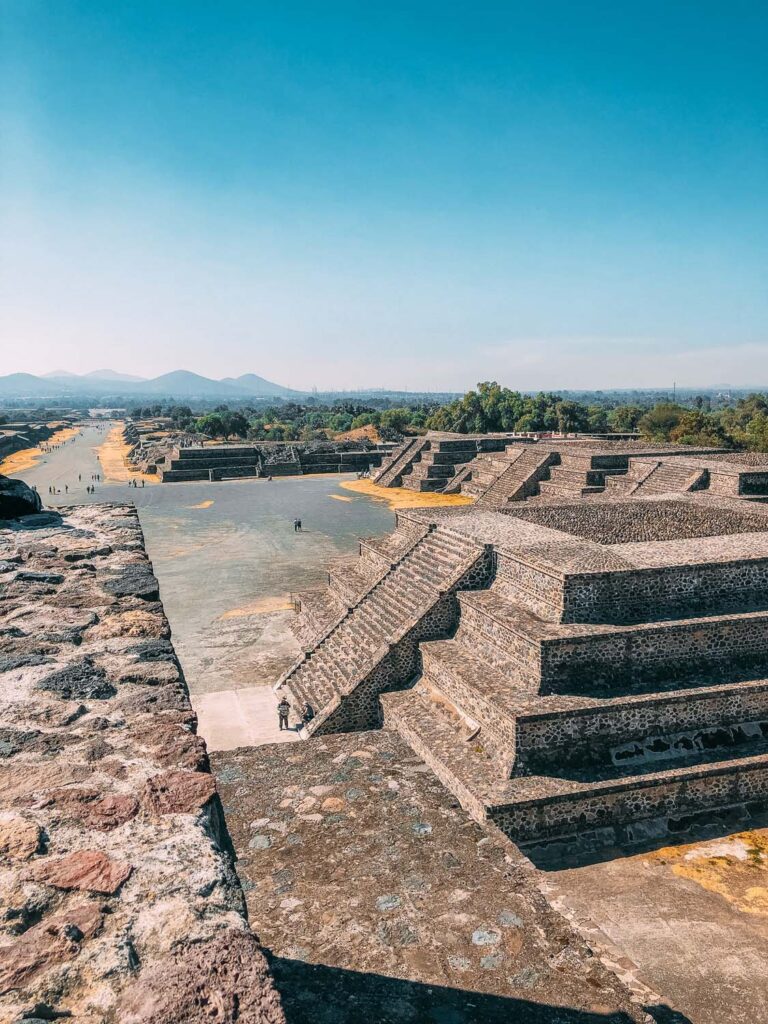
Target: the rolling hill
pixel 175 385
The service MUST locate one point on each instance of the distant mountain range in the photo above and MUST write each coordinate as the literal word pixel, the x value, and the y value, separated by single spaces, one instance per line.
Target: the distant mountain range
pixel 101 383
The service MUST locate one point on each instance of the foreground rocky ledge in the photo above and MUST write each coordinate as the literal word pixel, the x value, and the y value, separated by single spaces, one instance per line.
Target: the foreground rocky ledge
pixel 382 901
pixel 118 899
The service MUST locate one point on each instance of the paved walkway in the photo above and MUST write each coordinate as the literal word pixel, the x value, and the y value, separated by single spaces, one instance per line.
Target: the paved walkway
pixel 240 718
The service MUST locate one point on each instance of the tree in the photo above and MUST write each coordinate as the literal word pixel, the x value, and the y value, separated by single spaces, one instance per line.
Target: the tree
pixel 698 428
pixel 396 419
pixel 624 418
pixel 757 433
pixel 571 417
pixel 235 423
pixel 659 422
pixel 211 424
pixel 597 419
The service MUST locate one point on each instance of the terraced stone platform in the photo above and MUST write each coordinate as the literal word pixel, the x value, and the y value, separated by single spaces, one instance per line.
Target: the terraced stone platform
pixel 564 470
pixel 226 462
pixel 382 901
pixel 593 666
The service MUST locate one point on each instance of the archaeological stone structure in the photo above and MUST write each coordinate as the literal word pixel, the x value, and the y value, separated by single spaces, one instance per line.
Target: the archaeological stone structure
pixel 581 671
pixel 119 902
pixel 497 469
pixel 437 461
pixel 227 462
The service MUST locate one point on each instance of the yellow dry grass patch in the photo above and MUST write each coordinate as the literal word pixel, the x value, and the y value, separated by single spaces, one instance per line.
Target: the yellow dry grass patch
pixel 735 868
pixel 202 504
pixel 17 462
pixel 113 458
pixel 260 607
pixel 340 497
pixel 368 431
pixel 401 497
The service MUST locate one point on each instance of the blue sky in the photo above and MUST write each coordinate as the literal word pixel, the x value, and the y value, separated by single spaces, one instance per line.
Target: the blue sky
pixel 410 195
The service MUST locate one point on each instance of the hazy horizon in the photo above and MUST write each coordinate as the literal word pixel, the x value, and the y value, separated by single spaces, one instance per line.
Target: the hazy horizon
pixel 412 197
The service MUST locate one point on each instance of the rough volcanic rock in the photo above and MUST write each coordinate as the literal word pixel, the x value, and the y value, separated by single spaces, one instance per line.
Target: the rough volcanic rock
pixel 225 981
pixel 17 499
pixel 86 870
pixel 175 746
pixel 79 681
pixel 178 793
pixel 114 857
pixel 136 580
pixel 19 837
pixel 90 807
pixel 54 940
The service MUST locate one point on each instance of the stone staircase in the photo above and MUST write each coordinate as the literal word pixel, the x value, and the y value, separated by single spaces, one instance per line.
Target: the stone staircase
pixel 438 465
pixel 522 476
pixel 663 477
pixel 373 644
pixel 462 474
pixel 318 610
pixel 435 462
pixel 391 471
pixel 350 578
pixel 577 475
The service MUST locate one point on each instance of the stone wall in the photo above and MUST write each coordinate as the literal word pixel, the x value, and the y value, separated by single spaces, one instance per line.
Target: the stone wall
pixel 120 903
pixel 616 804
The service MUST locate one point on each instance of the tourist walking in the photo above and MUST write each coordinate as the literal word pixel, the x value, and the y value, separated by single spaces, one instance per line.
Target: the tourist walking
pixel 295 525
pixel 282 713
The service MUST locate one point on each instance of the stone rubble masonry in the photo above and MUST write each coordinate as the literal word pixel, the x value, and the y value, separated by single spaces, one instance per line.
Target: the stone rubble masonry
pixel 552 470
pixel 597 666
pixel 223 462
pixel 381 901
pixel 119 903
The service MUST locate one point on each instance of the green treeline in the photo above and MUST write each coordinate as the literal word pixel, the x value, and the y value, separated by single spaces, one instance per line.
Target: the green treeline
pixel 735 423
pixel 741 424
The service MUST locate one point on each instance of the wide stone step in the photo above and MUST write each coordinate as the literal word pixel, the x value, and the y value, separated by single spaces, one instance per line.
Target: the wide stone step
pixel 559 732
pixel 349 582
pixel 398 604
pixel 553 488
pixel 423 484
pixel 668 478
pixel 605 659
pixel 423 470
pixel 381 619
pixel 464 768
pixel 540 808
